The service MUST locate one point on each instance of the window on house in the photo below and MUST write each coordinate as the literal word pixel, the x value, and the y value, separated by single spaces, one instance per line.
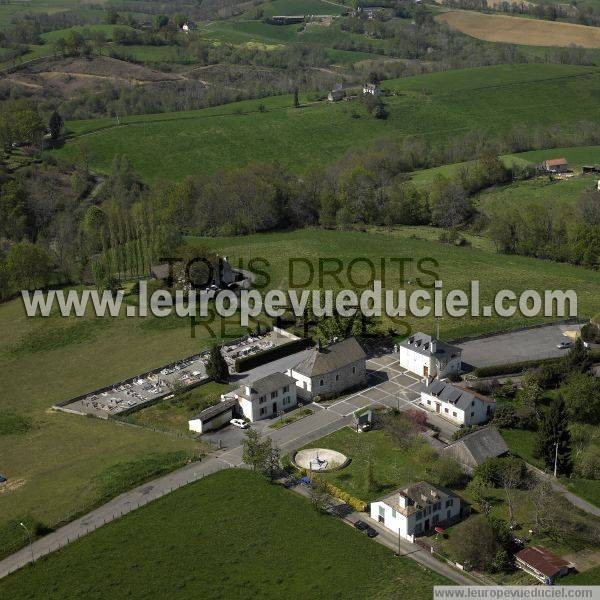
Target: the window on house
pixel 393 513
pixel 418 515
pixel 381 511
pixel 453 413
pixel 472 414
pixel 274 394
pixel 263 410
pixel 262 399
pixel 429 402
pixel 286 400
pixel 448 502
pixel 472 402
pixel 445 410
pixel 337 377
pixel 353 370
pixel 448 514
pixel 321 383
pixel 286 388
pixel 437 506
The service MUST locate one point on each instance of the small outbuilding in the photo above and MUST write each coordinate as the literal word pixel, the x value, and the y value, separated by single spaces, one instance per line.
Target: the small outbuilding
pixel 213 417
pixel 475 448
pixel 542 564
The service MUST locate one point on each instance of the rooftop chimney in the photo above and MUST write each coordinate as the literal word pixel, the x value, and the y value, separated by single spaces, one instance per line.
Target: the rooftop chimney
pixel 248 390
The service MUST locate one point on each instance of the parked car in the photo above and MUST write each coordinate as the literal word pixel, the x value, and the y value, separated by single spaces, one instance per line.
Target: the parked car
pixel 563 345
pixel 2 479
pixel 361 525
pixel 366 528
pixel 239 423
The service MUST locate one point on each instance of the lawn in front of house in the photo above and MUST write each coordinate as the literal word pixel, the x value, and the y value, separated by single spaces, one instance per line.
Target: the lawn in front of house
pixel 392 466
pixel 229 535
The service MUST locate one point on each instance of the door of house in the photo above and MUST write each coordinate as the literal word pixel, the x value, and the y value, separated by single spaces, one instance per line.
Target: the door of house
pixel 426 371
pixel 274 407
pixel 437 407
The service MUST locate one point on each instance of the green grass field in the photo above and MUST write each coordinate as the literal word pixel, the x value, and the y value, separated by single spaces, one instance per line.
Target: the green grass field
pixel 195 542
pixel 11 10
pixel 54 465
pixel 457 266
pixel 301 7
pixel 438 106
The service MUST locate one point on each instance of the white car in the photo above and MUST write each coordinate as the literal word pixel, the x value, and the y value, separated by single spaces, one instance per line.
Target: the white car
pixel 238 423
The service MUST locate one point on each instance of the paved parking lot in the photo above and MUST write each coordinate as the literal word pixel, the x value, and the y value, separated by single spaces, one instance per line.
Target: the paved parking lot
pixel 528 344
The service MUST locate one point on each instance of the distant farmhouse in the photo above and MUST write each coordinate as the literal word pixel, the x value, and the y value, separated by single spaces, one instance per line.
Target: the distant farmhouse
pixel 336 95
pixel 371 88
pixel 475 448
pixel 542 564
pixel 428 357
pixel 557 166
pixel 416 510
pixel 264 398
pixel 456 404
pixel 329 371
pixel 188 26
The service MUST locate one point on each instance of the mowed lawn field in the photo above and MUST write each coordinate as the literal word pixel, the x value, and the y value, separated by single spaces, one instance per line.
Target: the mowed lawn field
pixel 437 106
pixel 59 464
pixel 457 267
pixel 517 30
pixel 230 535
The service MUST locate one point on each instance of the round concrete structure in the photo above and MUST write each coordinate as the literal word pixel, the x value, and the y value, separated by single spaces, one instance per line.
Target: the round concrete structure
pixel 320 460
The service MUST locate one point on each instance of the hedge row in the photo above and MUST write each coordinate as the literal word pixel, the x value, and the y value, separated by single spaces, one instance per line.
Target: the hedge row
pixel 355 503
pixel 260 358
pixel 520 367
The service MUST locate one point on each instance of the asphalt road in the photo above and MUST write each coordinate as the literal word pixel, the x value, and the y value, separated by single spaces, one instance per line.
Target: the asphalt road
pixel 529 344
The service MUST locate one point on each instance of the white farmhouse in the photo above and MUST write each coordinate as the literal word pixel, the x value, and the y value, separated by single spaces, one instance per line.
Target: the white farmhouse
pixel 416 510
pixel 329 371
pixel 428 357
pixel 266 397
pixel 371 88
pixel 455 404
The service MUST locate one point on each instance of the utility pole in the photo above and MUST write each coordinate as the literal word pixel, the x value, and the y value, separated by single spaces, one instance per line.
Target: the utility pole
pixel 555 458
pixel 30 540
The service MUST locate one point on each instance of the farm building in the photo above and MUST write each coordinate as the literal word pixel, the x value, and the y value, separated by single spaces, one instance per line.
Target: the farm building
pixel 265 397
pixel 213 417
pixel 329 371
pixel 557 166
pixel 336 95
pixel 590 169
pixel 475 448
pixel 371 88
pixel 456 404
pixel 428 357
pixel 542 564
pixel 416 510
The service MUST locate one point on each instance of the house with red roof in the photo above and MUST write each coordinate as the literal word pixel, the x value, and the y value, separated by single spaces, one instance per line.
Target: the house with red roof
pixel 542 564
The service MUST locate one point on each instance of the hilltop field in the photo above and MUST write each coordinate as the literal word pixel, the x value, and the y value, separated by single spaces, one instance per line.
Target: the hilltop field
pixel 438 106
pixel 517 30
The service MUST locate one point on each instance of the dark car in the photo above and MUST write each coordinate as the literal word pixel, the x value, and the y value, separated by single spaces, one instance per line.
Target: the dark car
pixel 371 532
pixel 2 479
pixel 361 525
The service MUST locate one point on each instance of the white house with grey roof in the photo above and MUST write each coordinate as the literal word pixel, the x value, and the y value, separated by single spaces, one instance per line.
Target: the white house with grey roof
pixel 456 404
pixel 475 448
pixel 327 372
pixel 416 510
pixel 428 357
pixel 266 397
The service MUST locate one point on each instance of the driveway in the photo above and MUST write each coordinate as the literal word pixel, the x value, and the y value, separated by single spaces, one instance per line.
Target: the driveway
pixel 529 344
